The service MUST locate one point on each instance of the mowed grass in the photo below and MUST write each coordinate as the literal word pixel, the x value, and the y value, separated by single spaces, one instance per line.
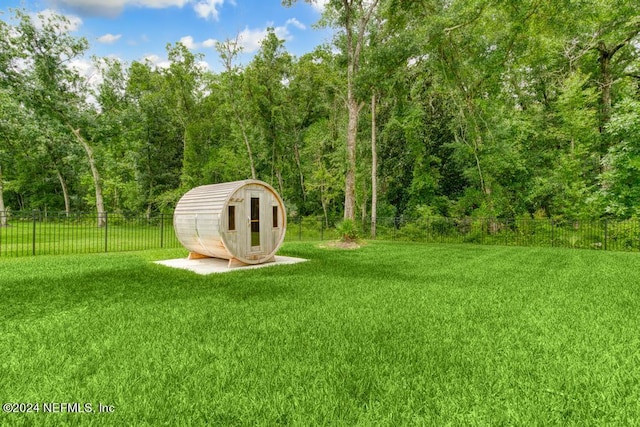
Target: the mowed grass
pixel 390 334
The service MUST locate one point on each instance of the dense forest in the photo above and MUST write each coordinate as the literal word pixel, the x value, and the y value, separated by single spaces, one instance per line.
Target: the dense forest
pixel 501 109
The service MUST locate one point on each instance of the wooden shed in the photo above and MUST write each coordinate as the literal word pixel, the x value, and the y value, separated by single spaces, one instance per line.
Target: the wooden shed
pixel 242 221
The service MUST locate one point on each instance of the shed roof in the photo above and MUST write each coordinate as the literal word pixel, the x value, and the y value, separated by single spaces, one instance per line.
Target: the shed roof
pixel 209 197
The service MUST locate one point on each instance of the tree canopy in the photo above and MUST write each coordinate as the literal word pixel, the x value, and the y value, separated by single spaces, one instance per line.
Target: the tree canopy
pixel 499 109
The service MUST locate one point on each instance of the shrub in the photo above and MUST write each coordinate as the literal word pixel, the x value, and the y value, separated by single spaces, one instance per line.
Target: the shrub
pixel 411 231
pixel 347 231
pixel 624 234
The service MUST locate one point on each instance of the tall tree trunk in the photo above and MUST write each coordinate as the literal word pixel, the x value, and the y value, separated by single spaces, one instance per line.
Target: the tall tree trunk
pixel 484 185
pixel 605 84
pixel 363 207
pixel 324 210
pixel 355 43
pixel 296 154
pixel 352 134
pixel 3 210
pixel 374 169
pixel 65 193
pixel 97 182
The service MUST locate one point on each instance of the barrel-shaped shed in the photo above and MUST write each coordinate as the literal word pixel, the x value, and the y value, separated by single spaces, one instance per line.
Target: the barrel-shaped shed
pixel 241 221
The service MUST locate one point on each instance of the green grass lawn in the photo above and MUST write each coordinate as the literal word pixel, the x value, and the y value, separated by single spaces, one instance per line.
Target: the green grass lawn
pixel 390 334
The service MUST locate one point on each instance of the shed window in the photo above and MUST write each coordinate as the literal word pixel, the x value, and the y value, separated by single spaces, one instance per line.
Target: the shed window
pixel 274 209
pixel 232 218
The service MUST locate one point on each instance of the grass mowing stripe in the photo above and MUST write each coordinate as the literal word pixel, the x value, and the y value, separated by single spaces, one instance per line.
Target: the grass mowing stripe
pixel 388 334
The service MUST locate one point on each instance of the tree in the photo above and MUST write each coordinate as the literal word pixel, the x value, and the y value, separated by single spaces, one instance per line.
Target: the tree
pixel 352 17
pixel 620 189
pixel 383 76
pixel 608 28
pixel 8 127
pixel 184 84
pixel 35 66
pixel 315 115
pixel 155 139
pixel 230 81
pixel 265 81
pixel 32 150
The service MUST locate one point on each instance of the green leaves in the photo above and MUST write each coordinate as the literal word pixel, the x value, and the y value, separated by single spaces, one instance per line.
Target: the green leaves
pixel 621 175
pixel 483 108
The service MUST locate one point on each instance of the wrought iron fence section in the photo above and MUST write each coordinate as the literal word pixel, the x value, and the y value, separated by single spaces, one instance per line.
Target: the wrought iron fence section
pixel 46 233
pixel 601 234
pixel 39 233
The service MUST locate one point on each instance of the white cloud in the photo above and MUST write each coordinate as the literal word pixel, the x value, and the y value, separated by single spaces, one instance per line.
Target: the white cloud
pixel 92 76
pixel 87 69
pixel 282 33
pixel 73 22
pixel 157 61
pixel 250 39
pixel 109 38
pixel 203 66
pixel 208 8
pixel 111 8
pixel 209 43
pixel 92 8
pixel 296 23
pixel 320 5
pixel 164 63
pixel 189 43
pixel 156 4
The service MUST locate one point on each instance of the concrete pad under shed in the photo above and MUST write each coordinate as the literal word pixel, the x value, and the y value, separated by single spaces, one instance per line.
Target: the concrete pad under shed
pixel 217 265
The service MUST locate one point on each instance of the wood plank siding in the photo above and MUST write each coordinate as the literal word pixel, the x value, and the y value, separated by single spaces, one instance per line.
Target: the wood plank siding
pixel 202 223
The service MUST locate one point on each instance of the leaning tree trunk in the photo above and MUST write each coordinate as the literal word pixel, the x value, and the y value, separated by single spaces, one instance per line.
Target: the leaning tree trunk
pixel 3 212
pixel 97 182
pixel 65 193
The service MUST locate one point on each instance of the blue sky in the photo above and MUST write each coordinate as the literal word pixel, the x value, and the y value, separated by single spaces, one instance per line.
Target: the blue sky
pixel 140 29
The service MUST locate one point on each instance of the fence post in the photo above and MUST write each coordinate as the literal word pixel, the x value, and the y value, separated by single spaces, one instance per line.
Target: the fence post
pixel 161 230
pixel 606 232
pixel 426 229
pixel 395 223
pixel 106 232
pixel 321 229
pixel 33 240
pixel 553 237
pixel 299 228
pixel 506 231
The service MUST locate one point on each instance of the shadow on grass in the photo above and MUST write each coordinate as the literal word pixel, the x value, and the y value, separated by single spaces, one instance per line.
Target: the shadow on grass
pixel 97 282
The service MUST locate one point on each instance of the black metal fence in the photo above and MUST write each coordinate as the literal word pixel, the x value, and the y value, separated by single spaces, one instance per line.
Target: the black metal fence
pixel 39 233
pixel 604 234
